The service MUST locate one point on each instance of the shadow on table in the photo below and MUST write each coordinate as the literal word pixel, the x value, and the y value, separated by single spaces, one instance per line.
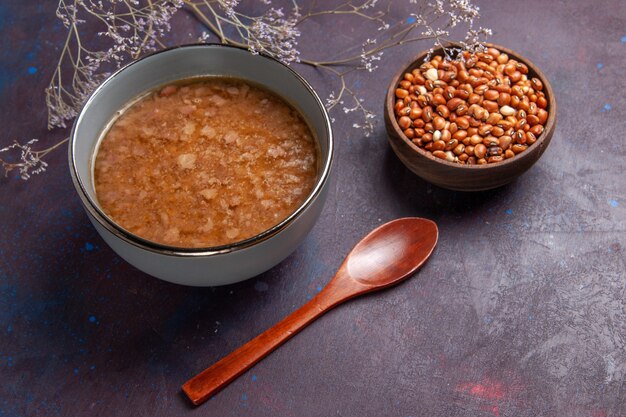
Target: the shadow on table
pixel 125 326
pixel 416 196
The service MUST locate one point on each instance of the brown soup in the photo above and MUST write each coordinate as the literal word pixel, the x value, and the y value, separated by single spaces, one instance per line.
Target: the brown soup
pixel 205 163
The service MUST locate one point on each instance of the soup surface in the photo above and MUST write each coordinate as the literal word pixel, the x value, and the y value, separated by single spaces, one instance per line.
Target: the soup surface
pixel 205 163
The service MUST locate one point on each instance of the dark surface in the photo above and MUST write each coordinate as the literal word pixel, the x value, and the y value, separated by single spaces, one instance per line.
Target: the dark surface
pixel 519 312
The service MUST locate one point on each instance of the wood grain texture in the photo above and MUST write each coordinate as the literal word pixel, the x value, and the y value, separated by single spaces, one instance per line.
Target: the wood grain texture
pixel 386 256
pixel 466 177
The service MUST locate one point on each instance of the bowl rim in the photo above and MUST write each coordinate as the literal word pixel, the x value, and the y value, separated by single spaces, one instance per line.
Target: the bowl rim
pixel 390 100
pixel 105 221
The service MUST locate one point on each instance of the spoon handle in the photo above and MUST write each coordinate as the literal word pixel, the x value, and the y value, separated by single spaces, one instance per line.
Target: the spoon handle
pixel 201 387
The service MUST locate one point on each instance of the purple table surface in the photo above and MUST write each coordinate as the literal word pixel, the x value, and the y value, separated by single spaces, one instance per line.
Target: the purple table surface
pixel 520 311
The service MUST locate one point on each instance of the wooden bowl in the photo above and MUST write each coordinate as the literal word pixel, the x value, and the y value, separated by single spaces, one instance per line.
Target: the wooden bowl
pixel 459 177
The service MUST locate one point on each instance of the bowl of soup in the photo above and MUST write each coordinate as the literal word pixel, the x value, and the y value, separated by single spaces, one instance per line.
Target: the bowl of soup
pixel 203 165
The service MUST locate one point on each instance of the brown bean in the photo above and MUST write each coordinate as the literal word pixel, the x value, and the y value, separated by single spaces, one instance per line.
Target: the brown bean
pixel 443 111
pixel 490 106
pixel 496 158
pixel 438 99
pixel 474 99
pixel 494 118
pixel 404 84
pixel 401 93
pixel 480 150
pixel 451 144
pixel 493 52
pixel 505 124
pixel 419 123
pixel 409 133
pixel 497 131
pixel 542 102
pixel 415 113
pixel 460 134
pixel 509 154
pixel 462 122
pixel 454 103
pixel 504 99
pixel 536 130
pixel 449 92
pixel 461 110
pixel 532 120
pixel 505 142
pixel 439 122
pixel 481 161
pixel 530 138
pixel 536 83
pixel 439 145
pixel 517 148
pixel 427 114
pixel 439 154
pixel 494 150
pixel 475 139
pixel 485 130
pixel 463 157
pixel 459 149
pixel 517 91
pixel 404 122
pixel 491 141
pixel 542 115
pixel 446 135
pixel 520 137
pixel 427 137
pixel 462 94
pixel 469 149
pixel 491 94
pixel 503 88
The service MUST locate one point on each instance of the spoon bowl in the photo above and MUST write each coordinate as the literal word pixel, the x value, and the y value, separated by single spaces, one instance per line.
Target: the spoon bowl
pixel 386 256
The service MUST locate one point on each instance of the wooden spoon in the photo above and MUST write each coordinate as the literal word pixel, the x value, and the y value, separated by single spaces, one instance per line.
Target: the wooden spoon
pixel 386 256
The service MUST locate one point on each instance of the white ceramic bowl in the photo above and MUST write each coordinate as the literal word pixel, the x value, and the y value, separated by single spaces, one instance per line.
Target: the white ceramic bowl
pixel 204 266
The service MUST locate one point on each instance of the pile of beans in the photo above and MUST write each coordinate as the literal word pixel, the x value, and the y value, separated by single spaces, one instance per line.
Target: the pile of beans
pixel 477 110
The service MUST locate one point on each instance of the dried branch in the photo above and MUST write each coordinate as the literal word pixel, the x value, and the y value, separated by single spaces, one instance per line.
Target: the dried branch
pixel 134 27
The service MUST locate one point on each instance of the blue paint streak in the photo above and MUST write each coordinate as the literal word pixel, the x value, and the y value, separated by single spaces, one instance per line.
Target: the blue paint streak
pixel 89 246
pixel 613 203
pixel 530 317
pixel 508 211
pixel 9 329
pixel 244 397
pixel 76 371
pixel 599 65
pixel 607 107
pixel 487 320
pixel 32 70
pixel 93 319
pixel 319 288
pixel 254 378
pixel 623 39
pixel 411 19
